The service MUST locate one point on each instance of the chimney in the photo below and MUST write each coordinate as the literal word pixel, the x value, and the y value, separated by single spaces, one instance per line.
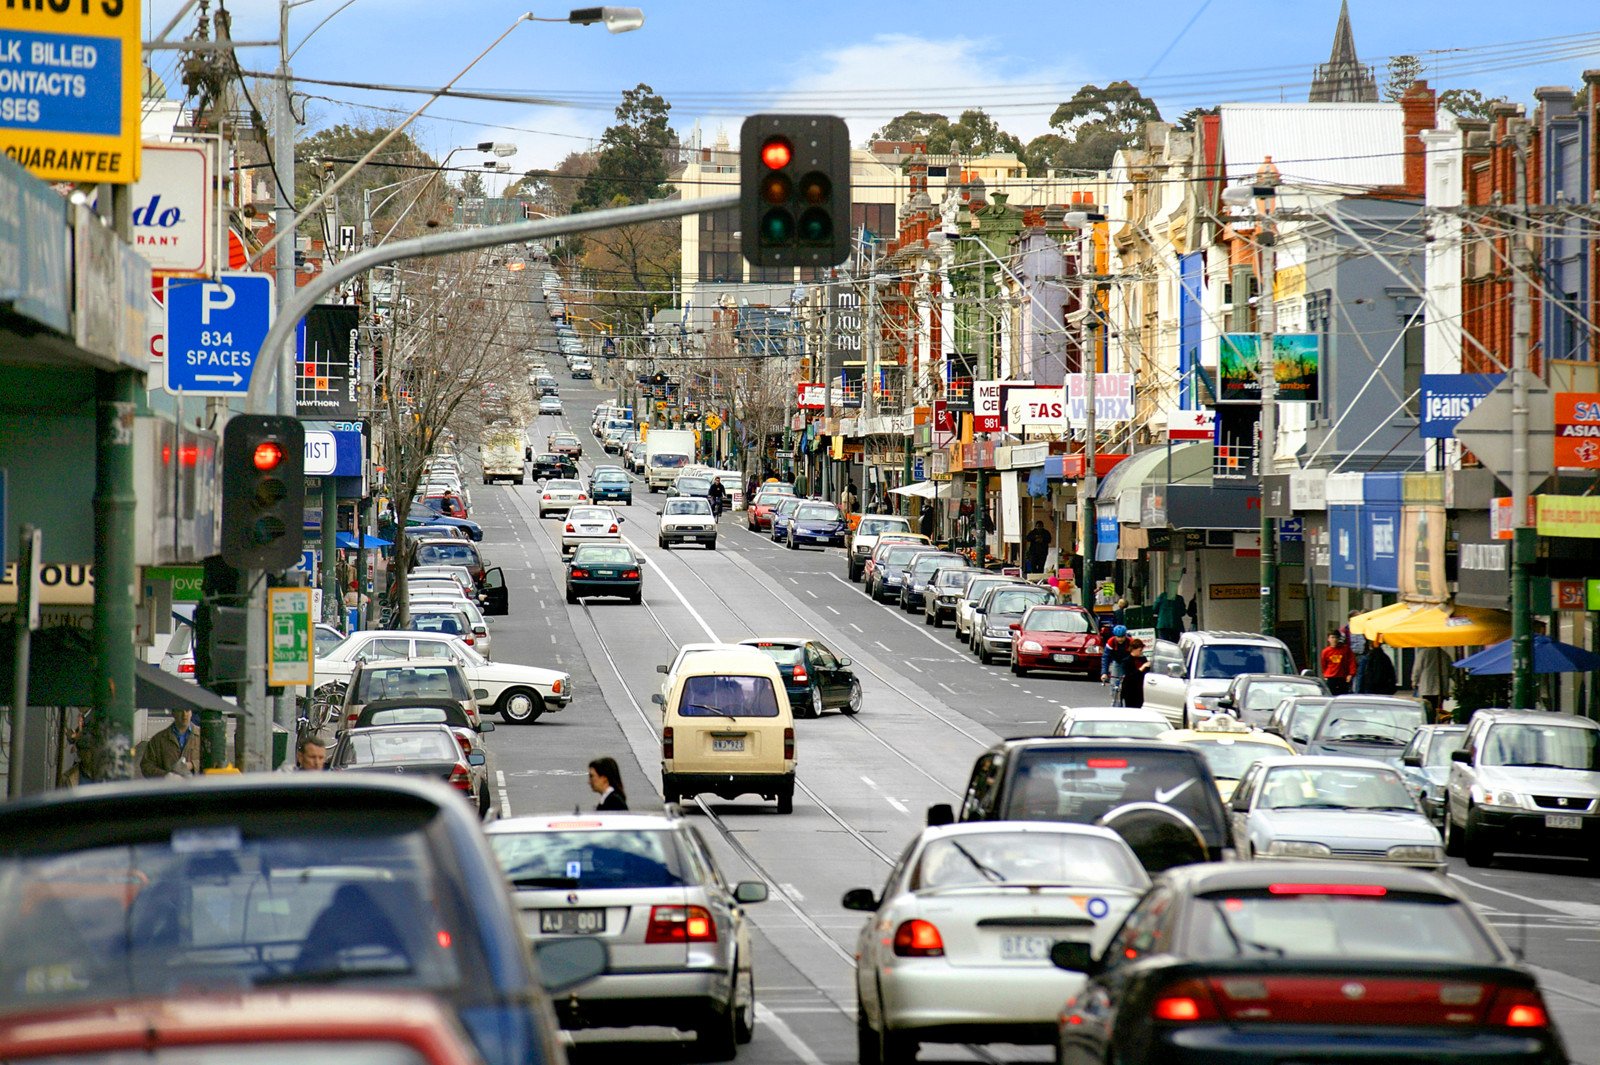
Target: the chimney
pixel 1419 108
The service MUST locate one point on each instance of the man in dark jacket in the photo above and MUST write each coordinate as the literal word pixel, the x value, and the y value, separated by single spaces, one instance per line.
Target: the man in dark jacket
pixel 1375 674
pixel 174 751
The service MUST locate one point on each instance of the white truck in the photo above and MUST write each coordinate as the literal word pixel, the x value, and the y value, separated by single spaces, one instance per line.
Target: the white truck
pixel 502 456
pixel 666 453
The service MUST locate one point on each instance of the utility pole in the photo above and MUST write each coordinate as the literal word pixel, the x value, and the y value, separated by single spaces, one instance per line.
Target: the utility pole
pixel 1267 326
pixel 1089 483
pixel 1524 537
pixel 980 513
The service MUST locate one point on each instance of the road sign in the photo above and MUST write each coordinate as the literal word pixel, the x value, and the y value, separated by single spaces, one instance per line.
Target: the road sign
pixel 214 332
pixel 712 422
pixel 1487 430
pixel 288 636
pixel 1577 442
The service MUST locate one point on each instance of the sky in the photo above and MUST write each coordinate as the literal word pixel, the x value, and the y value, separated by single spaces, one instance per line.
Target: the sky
pixel 868 60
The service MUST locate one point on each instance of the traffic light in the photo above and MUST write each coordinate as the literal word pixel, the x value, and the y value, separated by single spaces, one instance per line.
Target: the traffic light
pixel 794 207
pixel 219 630
pixel 263 491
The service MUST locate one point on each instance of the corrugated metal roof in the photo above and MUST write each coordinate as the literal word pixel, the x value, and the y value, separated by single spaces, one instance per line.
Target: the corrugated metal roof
pixel 1316 144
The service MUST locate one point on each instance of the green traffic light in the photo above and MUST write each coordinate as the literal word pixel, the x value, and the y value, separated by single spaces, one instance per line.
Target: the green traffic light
pixel 777 227
pixel 816 225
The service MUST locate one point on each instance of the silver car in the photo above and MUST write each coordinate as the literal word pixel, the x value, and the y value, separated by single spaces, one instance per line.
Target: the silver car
pixel 648 886
pixel 587 525
pixel 978 582
pixel 1349 809
pixel 561 495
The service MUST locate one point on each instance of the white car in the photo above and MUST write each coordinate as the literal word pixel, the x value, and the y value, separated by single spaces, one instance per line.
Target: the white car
pixel 479 638
pixel 686 520
pixel 586 525
pixel 969 600
pixel 1112 722
pixel 520 694
pixel 1345 809
pixel 560 495
pixel 550 405
pixel 958 947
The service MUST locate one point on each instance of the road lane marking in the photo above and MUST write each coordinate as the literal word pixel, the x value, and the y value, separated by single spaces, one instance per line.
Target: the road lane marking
pixel 858 628
pixel 910 665
pixel 947 687
pixel 796 1045
pixel 830 608
pixel 1572 909
pixel 505 802
pixel 792 891
pixel 814 595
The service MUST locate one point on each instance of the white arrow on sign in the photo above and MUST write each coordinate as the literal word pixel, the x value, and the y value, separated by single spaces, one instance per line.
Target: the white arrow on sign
pixel 234 378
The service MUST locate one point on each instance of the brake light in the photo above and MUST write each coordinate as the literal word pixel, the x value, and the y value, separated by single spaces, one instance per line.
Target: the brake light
pixel 680 924
pixel 582 498
pixel 1519 1007
pixel 461 778
pixel 185 667
pixel 788 745
pixel 613 528
pixel 1364 890
pixel 466 744
pixel 630 574
pixel 547 495
pixel 800 674
pixel 666 742
pixel 918 939
pixel 580 573
pixel 570 528
pixel 1185 1002
pixel 1107 763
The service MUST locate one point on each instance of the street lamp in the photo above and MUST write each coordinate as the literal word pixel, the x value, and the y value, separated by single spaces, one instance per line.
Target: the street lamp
pixel 615 19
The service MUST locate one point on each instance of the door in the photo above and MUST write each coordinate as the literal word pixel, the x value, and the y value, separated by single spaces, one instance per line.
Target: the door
pixel 835 688
pixel 496 598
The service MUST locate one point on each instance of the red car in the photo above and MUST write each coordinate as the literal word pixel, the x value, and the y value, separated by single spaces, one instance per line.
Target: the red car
pixel 450 504
pixel 261 1026
pixel 758 515
pixel 1060 638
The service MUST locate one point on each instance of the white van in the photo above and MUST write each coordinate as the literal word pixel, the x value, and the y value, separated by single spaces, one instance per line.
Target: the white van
pixel 727 728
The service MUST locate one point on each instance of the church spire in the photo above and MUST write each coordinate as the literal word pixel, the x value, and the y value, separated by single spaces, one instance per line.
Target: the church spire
pixel 1344 78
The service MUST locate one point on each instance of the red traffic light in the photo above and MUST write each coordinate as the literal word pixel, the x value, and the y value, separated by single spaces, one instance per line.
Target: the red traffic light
pixel 776 153
pixel 267 455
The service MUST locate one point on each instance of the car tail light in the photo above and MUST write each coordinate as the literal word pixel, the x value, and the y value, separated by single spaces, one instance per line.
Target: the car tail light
pixel 800 674
pixel 630 574
pixel 680 924
pixel 580 573
pixel 788 744
pixel 466 744
pixel 918 939
pixel 1519 1007
pixel 582 498
pixel 547 495
pixel 461 777
pixel 666 742
pixel 1185 1002
pixel 570 528
pixel 185 667
pixel 1365 890
pixel 613 527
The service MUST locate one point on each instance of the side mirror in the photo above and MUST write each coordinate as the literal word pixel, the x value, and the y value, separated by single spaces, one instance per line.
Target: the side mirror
pixel 567 961
pixel 477 758
pixel 1239 804
pixel 661 668
pixel 1072 955
pixel 480 630
pixel 481 694
pixel 621 520
pixel 1015 626
pixel 1412 759
pixel 656 698
pixel 1175 669
pixel 1226 702
pixel 940 813
pixel 485 726
pixel 640 562
pixel 859 899
pixel 843 663
pixel 1463 756
pixel 748 891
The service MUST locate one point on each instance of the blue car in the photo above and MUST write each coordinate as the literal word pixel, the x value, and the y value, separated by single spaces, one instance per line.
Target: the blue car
pixel 816 523
pixel 611 487
pixel 427 516
pixel 782 515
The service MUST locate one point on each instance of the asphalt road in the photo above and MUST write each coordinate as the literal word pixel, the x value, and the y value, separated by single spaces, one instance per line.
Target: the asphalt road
pixel 865 782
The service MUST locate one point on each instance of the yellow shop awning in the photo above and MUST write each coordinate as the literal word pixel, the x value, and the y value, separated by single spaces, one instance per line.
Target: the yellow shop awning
pixel 1418 625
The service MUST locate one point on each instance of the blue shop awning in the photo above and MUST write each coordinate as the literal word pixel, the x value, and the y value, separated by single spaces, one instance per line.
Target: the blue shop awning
pixel 348 540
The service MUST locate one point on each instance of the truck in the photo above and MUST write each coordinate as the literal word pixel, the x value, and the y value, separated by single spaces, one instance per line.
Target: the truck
pixel 666 453
pixel 503 452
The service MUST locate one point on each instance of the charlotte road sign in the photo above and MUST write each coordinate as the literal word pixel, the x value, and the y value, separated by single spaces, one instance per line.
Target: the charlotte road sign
pixel 214 332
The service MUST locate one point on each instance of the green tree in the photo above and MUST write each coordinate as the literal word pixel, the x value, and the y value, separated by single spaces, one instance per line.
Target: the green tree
pixel 632 163
pixel 914 126
pixel 1189 121
pixel 472 184
pixel 974 133
pixel 556 190
pixel 1466 103
pixel 339 147
pixel 1404 70
pixel 1097 123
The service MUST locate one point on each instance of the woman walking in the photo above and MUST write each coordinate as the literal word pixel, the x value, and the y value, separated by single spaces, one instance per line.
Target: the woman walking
pixel 605 780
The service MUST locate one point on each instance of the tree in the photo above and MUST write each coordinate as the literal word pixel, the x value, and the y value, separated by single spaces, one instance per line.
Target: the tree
pixel 1189 121
pixel 472 184
pixel 641 263
pixel 1097 123
pixel 632 164
pixel 974 133
pixel 339 147
pixel 913 126
pixel 1466 103
pixel 1047 151
pixel 556 190
pixel 1404 70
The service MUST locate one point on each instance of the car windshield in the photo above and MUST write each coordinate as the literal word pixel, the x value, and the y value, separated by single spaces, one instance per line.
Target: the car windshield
pixel 785 654
pixel 404 681
pixel 687 506
pixel 819 512
pixel 1015 602
pixel 966 859
pixel 1309 924
pixel 450 624
pixel 1082 785
pixel 925 565
pixel 697 485
pixel 667 461
pixel 1226 661
pixel 1304 716
pixel 1229 757
pixel 1111 729
pixel 447 554
pixel 765 498
pixel 1058 620
pixel 601 554
pixel 788 505
pixel 590 859
pixel 976 586
pixel 1392 724
pixel 1296 787
pixel 728 696
pixel 1265 694
pixel 878 526
pixel 951 578
pixel 600 514
pixel 1543 746
pixel 1441 745
pixel 611 477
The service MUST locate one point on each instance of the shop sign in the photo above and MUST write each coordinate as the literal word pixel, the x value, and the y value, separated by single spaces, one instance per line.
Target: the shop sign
pixel 1344 547
pixel 1577 442
pixel 1233 592
pixel 1026 407
pixel 1346 489
pixel 1422 548
pixel 173 209
pixel 1113 399
pixel 1191 424
pixel 1153 506
pixel 811 395
pixel 1568 516
pixel 1381 545
pixel 1247 545
pixel 1423 489
pixel 1449 397
pixel 944 419
pixel 1500 525
pixel 1199 507
pixel 988 404
pixel 1275 496
pixel 327 365
pixel 1569 595
pixel 60 584
pixel 1028 456
pixel 1592 597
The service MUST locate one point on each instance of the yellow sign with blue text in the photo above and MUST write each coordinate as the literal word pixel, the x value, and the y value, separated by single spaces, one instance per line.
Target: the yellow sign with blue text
pixel 71 80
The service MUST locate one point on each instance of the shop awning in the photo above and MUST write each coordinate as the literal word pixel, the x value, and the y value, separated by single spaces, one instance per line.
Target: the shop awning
pixel 1419 625
pixel 924 490
pixel 1549 656
pixel 1189 462
pixel 348 540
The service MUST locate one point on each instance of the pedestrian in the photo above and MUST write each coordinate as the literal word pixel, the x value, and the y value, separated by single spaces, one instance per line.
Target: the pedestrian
pixel 1356 641
pixel 800 484
pixel 1119 612
pixel 926 524
pixel 605 780
pixel 1430 679
pixel 1038 543
pixel 1375 673
pixel 1335 663
pixel 1106 635
pixel 310 755
pixel 750 490
pixel 174 751
pixel 850 498
pixel 1133 671
pixel 1170 609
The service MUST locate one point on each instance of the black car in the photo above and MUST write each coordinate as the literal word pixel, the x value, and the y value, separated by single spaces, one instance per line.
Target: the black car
pixel 1161 797
pixel 1327 962
pixel 414 750
pixel 890 569
pixel 597 569
pixel 814 677
pixel 1252 696
pixel 549 466
pixel 150 889
pixel 919 572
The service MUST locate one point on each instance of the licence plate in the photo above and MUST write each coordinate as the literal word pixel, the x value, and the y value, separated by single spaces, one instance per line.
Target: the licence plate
pixel 1065 658
pixel 572 922
pixel 1562 821
pixel 727 743
pixel 1025 948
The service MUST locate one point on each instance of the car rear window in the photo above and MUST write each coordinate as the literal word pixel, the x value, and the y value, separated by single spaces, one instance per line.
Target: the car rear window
pixel 669 462
pixel 926 565
pixel 1027 858
pixel 899 556
pixel 950 578
pixel 1118 730
pixel 1229 757
pixel 592 859
pixel 450 624
pixel 1225 661
pixel 1290 922
pixel 447 554
pixel 401 682
pixel 383 748
pixel 785 654
pixel 1265 694
pixel 877 526
pixel 407 715
pixel 730 696
pixel 1081 785
pixel 601 554
pixel 1015 602
pixel 1542 746
pixel 693 484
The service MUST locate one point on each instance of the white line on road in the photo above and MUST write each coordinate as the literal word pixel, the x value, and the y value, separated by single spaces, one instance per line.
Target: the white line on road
pixel 712 636
pixel 897 804
pixel 947 687
pixel 885 646
pixel 505 802
pixel 869 783
pixel 792 891
pixel 908 664
pixel 796 1045
pixel 858 628
pixel 830 608
pixel 1573 909
pixel 813 595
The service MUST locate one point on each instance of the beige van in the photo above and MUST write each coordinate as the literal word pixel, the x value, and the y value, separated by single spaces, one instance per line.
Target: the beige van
pixel 726 728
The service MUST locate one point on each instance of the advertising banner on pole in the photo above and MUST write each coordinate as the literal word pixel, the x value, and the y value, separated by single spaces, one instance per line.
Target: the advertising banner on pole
pixel 327 361
pixel 288 636
pixel 1296 366
pixel 1422 549
pixel 1577 444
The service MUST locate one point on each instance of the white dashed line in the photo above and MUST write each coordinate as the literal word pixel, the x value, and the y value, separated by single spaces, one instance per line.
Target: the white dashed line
pixel 910 665
pixel 947 687
pixel 858 628
pixel 831 608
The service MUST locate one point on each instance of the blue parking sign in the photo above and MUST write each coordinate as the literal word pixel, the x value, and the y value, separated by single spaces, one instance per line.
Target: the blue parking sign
pixel 214 332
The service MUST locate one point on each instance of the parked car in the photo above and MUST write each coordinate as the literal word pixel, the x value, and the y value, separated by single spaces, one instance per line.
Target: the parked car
pixel 818 523
pixel 426 751
pixel 782 514
pixel 865 537
pixel 943 592
pixel 758 514
pixel 600 569
pixel 919 572
pixel 814 677
pixel 726 728
pixel 995 613
pixel 1206 663
pixel 1367 726
pixel 423 516
pixel 1059 638
pixel 1295 718
pixel 1252 696
pixel 448 552
pixel 686 520
pixel 1425 765
pixel 884 571
pixel 633 456
pixel 978 582
pixel 408 678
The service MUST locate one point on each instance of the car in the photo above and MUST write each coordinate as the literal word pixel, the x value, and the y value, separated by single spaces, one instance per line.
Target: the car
pixel 758 513
pixel 1367 726
pixel 919 572
pixel 547 387
pixel 733 485
pixel 373 680
pixel 1252 696
pixel 1525 781
pixel 633 456
pixel 1206 663
pixel 563 443
pixel 1425 765
pixel 601 569
pixel 460 574
pixel 448 504
pixel 423 516
pixel 727 729
pixel 1160 797
pixel 581 370
pixel 448 618
pixel 782 514
pixel 815 522
pixel 614 440
pixel 611 486
pixel 1059 638
pixel 324 638
pixel 865 537
pixel 690 485
pixel 995 613
pixel 649 888
pixel 669 670
pixel 1110 722
pixel 1296 717
pixel 815 678
pixel 469 736
pixel 978 582
pixel 477 634
pixel 448 552
pixel 425 751
pixel 550 404
pixel 686 520
pixel 881 576
pixel 941 594
pixel 958 946
pixel 586 525
pixel 560 496
pixel 143 903
pixel 1230 748
pixel 1351 809
pixel 1258 963
pixel 549 465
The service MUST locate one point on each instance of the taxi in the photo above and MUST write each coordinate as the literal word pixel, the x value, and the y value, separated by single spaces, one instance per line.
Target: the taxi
pixel 1230 747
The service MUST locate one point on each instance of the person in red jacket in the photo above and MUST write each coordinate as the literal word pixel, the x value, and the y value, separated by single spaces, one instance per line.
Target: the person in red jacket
pixel 1337 664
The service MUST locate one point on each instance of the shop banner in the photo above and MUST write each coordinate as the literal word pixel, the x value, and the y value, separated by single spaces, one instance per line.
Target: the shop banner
pixel 1483 564
pixel 1296 366
pixel 1113 399
pixel 811 395
pixel 1422 543
pixel 988 404
pixel 1577 430
pixel 1010 508
pixel 1577 516
pixel 1449 397
pixel 1380 557
pixel 1344 547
